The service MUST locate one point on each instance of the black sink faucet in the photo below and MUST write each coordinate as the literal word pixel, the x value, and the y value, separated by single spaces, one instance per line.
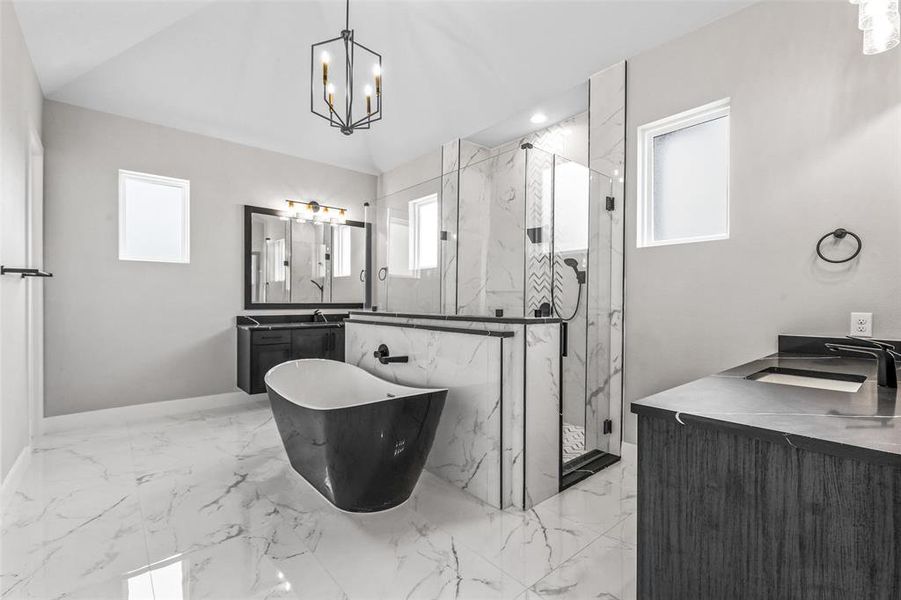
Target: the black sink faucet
pixel 884 353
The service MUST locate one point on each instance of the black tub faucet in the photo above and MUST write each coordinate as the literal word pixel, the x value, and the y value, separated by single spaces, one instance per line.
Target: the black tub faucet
pixel 884 353
pixel 384 356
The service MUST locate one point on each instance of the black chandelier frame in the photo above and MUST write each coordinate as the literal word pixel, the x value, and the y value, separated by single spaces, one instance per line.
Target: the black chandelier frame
pixel 346 124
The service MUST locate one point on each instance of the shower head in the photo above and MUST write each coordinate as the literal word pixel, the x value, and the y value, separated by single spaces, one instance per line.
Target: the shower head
pixel 573 264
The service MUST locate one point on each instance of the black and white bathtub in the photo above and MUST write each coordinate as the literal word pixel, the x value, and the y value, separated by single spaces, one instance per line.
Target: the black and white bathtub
pixel 360 440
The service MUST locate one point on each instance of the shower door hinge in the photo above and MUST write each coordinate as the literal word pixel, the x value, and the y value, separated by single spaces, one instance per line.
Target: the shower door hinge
pixel 443 236
pixel 611 203
pixel 608 426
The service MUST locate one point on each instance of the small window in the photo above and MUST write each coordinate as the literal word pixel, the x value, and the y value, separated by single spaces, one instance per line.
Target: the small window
pixel 341 252
pixel 154 218
pixel 683 177
pixel 399 244
pixel 275 260
pixel 424 233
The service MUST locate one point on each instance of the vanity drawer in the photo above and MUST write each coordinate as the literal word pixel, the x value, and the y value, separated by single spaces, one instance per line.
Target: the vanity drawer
pixel 265 338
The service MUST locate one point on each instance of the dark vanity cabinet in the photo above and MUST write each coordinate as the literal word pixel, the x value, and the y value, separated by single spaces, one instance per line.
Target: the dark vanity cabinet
pixel 261 348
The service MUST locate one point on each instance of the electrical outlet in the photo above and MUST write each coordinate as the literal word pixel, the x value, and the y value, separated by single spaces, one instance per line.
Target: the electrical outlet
pixel 862 324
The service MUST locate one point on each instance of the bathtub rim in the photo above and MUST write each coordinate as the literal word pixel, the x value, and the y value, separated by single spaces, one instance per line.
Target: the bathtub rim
pixel 411 391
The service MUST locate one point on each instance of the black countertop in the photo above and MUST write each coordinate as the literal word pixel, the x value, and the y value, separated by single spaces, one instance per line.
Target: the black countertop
pixel 272 326
pixel 865 424
pixel 471 318
pixel 272 322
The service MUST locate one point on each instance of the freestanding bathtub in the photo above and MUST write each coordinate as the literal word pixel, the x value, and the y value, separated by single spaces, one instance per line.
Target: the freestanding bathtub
pixel 360 440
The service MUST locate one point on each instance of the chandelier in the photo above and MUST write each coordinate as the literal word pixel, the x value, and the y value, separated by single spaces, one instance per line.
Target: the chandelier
pixel 359 63
pixel 880 22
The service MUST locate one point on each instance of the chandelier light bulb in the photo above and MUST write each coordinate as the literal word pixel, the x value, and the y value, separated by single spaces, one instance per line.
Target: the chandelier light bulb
pixel 377 75
pixel 354 58
pixel 326 59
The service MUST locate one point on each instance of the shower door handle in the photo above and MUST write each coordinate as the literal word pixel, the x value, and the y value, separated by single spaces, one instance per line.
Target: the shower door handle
pixel 564 338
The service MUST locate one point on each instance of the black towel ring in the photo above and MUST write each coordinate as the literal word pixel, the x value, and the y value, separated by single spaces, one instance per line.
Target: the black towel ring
pixel 839 234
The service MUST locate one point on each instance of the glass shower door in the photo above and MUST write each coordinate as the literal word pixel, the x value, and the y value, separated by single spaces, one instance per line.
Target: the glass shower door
pixel 409 225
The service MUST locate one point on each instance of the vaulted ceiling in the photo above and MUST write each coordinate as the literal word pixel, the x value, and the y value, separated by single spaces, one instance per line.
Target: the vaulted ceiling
pixel 239 70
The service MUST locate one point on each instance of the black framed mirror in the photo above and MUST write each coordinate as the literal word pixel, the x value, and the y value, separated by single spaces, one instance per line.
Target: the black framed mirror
pixel 301 263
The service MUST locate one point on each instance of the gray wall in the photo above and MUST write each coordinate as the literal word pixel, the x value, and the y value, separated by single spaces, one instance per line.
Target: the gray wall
pixel 816 144
pixel 20 116
pixel 121 333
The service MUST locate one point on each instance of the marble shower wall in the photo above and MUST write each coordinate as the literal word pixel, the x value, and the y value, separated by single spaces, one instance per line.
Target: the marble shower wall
pixel 539 229
pixel 450 180
pixel 499 433
pixel 490 236
pixel 467 447
pixel 542 413
pixel 605 278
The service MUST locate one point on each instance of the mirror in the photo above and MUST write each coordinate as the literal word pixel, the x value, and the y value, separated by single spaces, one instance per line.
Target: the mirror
pixel 290 263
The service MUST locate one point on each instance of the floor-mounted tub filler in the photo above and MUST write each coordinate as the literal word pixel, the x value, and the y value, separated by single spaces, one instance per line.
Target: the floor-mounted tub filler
pixel 359 440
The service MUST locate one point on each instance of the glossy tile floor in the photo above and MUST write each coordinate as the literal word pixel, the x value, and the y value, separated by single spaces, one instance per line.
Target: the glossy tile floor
pixel 206 506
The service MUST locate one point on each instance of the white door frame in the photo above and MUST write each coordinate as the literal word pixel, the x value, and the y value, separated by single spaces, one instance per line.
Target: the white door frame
pixel 34 241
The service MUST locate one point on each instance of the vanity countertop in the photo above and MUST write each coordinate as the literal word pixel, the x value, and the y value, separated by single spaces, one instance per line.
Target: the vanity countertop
pixel 471 318
pixel 292 321
pixel 865 424
pixel 273 326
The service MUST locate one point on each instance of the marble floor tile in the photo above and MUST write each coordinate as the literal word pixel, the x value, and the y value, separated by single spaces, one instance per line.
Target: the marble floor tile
pixel 206 505
pixel 605 569
pixel 83 456
pixel 596 503
pixel 70 538
pixel 526 545
pixel 394 554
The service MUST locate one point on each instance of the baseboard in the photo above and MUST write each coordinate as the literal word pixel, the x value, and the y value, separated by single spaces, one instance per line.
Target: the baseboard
pixel 118 416
pixel 14 478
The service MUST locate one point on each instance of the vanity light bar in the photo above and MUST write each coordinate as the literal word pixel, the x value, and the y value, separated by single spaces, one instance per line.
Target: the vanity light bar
pixel 320 212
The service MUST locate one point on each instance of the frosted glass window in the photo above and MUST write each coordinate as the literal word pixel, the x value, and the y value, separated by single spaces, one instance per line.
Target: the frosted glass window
pixel 571 201
pixel 154 218
pixel 424 233
pixel 342 252
pixel 684 177
pixel 398 245
pixel 275 260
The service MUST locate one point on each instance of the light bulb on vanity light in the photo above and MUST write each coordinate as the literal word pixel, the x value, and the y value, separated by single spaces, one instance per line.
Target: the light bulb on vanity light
pixel 871 12
pixel 884 34
pixel 538 118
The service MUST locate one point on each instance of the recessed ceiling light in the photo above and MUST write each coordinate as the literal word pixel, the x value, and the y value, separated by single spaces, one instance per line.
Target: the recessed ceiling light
pixel 538 118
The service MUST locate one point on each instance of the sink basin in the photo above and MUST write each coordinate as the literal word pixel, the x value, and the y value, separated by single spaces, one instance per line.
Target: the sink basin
pixel 838 382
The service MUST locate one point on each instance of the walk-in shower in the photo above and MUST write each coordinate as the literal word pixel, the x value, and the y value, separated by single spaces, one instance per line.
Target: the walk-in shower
pixel 514 231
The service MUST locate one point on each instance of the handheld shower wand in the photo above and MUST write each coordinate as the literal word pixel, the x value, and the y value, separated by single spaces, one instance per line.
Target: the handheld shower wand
pixel 574 265
pixel 580 279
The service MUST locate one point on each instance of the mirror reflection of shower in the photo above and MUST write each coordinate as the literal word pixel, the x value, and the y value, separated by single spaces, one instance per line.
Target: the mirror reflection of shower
pixel 321 288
